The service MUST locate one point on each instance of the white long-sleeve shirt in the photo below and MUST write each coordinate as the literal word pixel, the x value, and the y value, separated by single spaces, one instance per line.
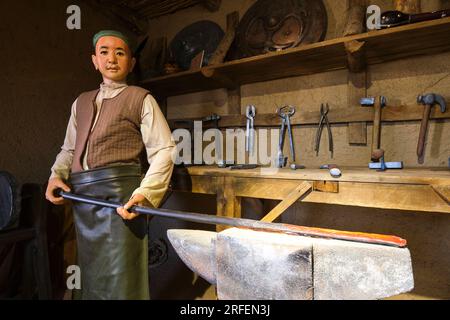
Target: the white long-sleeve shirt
pixel 156 137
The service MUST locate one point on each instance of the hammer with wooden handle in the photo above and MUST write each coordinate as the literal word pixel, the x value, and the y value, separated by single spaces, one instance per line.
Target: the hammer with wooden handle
pixel 378 104
pixel 429 100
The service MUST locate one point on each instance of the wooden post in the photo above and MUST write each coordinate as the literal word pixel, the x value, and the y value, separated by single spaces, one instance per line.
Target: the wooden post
pixel 355 18
pixel 357 89
pixel 293 197
pixel 407 6
pixel 357 131
pixel 228 204
pixel 234 101
pixel 443 192
pixel 224 45
pixel 355 25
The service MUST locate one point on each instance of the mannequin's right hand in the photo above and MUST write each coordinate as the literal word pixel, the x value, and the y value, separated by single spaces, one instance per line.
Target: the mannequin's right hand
pixel 53 184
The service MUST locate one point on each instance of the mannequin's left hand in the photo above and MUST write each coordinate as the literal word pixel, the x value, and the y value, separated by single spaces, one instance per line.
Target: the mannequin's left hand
pixel 136 200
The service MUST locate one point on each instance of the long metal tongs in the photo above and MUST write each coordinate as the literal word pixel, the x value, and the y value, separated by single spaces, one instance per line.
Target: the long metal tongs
pixel 324 109
pixel 245 223
pixel 285 113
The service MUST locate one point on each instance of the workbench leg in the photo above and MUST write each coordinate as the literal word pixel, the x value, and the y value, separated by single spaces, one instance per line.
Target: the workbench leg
pixel 228 204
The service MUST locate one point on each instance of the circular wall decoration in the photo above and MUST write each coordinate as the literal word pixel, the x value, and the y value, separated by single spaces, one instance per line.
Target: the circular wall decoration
pixel 278 25
pixel 202 35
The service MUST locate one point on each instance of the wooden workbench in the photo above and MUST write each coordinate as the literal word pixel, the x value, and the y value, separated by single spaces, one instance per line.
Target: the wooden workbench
pixel 425 190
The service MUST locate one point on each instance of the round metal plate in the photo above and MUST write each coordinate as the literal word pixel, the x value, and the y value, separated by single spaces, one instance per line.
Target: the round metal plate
pixel 8 200
pixel 202 35
pixel 277 25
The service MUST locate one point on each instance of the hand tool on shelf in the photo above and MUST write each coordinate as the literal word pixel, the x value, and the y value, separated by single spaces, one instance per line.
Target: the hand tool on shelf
pixel 429 100
pixel 335 172
pixel 378 156
pixel 250 133
pixel 391 19
pixel 328 166
pixel 378 105
pixel 387 165
pixel 285 113
pixel 324 109
pixel 297 167
pixel 225 163
pixel 214 118
pixel 380 165
pixel 244 166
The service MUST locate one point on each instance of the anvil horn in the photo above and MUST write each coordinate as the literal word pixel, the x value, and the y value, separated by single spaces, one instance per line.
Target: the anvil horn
pixel 258 265
pixel 196 249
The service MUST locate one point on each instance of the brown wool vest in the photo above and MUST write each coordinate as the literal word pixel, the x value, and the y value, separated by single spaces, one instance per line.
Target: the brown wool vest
pixel 116 137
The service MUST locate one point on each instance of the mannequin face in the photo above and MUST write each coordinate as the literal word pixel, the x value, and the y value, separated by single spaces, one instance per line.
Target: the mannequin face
pixel 113 59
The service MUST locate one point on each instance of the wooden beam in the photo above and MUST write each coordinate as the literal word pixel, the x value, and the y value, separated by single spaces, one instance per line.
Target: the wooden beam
pixel 326 186
pixel 383 196
pixel 228 204
pixel 234 101
pixel 355 25
pixel 356 12
pixel 225 44
pixel 443 192
pixel 355 55
pixel 223 80
pixel 357 133
pixel 410 176
pixel 356 89
pixel 302 190
pixel 430 37
pixel 408 189
pixel 264 188
pixel 337 115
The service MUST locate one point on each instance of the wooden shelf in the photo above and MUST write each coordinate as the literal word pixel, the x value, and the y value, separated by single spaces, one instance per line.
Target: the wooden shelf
pixel 426 190
pixel 430 176
pixel 424 38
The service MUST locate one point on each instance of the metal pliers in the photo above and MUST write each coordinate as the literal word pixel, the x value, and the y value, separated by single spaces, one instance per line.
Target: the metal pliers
pixel 250 133
pixel 324 109
pixel 285 113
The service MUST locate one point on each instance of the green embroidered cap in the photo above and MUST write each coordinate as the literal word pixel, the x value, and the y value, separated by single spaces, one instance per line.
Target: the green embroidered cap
pixel 110 33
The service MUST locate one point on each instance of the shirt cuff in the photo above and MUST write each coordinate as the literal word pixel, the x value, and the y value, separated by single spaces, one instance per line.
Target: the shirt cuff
pixel 63 175
pixel 154 192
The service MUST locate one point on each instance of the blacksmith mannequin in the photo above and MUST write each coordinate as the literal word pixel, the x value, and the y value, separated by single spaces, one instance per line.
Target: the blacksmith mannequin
pixel 114 134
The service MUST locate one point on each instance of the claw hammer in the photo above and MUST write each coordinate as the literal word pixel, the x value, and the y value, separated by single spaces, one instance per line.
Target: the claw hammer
pixel 378 104
pixel 429 100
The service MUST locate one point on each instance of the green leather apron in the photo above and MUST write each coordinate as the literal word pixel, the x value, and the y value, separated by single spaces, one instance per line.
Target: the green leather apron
pixel 112 252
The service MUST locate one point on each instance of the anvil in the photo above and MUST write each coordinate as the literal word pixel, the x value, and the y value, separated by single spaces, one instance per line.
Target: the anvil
pixel 246 264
